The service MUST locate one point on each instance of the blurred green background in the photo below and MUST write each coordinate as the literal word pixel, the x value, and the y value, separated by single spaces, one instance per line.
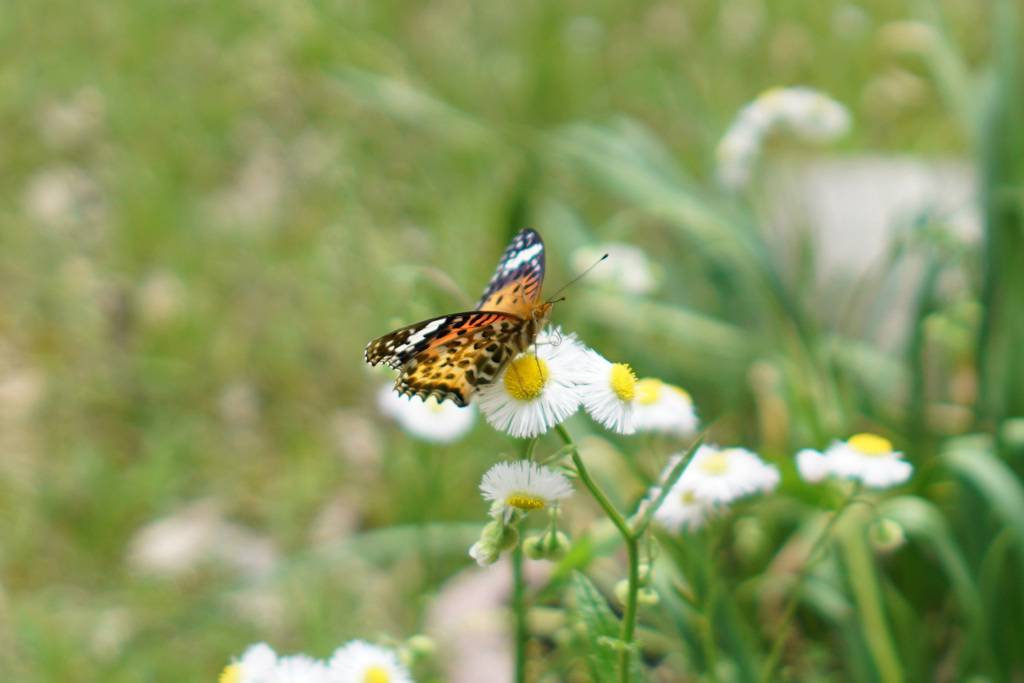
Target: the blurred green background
pixel 210 208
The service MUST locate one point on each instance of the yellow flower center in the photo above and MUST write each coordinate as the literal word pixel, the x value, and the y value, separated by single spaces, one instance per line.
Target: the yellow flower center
pixel 525 501
pixel 526 377
pixel 376 674
pixel 648 390
pixel 232 673
pixel 870 444
pixel 716 464
pixel 624 382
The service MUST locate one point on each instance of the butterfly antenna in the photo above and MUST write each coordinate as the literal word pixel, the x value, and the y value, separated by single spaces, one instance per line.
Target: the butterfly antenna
pixel 566 285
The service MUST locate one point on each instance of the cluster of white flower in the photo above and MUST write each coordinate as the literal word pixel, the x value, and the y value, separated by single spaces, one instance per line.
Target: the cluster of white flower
pixel 714 478
pixel 807 114
pixel 544 387
pixel 355 662
pixel 867 458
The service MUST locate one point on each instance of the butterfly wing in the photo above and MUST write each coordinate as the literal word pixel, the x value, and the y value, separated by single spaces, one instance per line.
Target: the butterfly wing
pixel 449 356
pixel 516 284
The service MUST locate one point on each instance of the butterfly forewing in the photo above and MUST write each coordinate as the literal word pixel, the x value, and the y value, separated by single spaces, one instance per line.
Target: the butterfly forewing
pixel 516 284
pixel 448 357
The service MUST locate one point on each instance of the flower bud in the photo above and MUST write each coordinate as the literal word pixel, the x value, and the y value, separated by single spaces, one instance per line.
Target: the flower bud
pixel 622 591
pixel 533 547
pixel 421 646
pixel 484 552
pixel 556 546
pixel 509 538
pixel 647 596
pixel 644 573
pixel 886 535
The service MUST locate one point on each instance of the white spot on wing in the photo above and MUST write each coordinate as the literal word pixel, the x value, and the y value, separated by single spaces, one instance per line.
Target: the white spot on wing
pixel 421 334
pixel 521 257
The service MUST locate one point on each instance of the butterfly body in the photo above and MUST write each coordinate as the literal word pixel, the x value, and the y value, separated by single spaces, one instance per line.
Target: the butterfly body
pixel 448 357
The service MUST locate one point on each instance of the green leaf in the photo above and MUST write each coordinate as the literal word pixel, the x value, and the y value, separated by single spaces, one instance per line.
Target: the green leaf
pixel 603 629
pixel 973 459
pixel 862 576
pixel 924 524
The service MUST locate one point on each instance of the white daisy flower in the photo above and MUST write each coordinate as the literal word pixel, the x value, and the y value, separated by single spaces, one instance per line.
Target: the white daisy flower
pixel 608 391
pixel 661 407
pixel 868 458
pixel 523 485
pixel 361 662
pixel 299 669
pixel 258 664
pixel 724 475
pixel 427 419
pixel 627 270
pixel 681 510
pixel 537 390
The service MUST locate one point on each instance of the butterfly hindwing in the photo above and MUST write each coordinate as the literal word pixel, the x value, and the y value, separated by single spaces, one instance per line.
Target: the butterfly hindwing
pixel 516 284
pixel 449 356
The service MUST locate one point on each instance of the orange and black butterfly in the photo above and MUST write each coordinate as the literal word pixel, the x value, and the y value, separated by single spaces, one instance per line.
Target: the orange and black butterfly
pixel 450 356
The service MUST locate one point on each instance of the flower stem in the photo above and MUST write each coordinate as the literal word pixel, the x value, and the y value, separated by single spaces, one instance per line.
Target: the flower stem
pixel 632 554
pixel 794 597
pixel 519 614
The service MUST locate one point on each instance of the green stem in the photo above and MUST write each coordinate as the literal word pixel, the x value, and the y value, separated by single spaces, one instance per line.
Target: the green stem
pixel 708 563
pixel 641 522
pixel 632 554
pixel 794 597
pixel 519 614
pixel 519 595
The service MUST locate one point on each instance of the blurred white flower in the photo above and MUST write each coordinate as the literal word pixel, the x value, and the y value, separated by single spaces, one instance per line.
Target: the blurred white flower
pixel 523 485
pixel 723 475
pixel 812 465
pixel 161 298
pixel 608 391
pixel 713 478
pixel 804 113
pixel 74 121
pixel 427 420
pixel 868 458
pixel 681 510
pixel 299 669
pixel 254 201
pixel 362 662
pixel 537 390
pixel 627 268
pixel 66 200
pixel 260 664
pixel 257 664
pixel 662 407
pixel 196 534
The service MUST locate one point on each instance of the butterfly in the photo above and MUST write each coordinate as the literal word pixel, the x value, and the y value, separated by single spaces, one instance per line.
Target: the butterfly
pixel 449 357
